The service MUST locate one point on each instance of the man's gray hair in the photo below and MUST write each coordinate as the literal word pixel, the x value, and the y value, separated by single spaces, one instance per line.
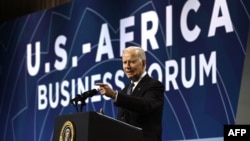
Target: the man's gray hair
pixel 139 51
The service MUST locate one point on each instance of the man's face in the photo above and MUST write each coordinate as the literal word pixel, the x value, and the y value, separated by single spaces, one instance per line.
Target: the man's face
pixel 132 65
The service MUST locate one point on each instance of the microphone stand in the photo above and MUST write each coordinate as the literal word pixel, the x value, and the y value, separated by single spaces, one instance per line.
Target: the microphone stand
pixel 83 103
pixel 76 105
pixel 82 98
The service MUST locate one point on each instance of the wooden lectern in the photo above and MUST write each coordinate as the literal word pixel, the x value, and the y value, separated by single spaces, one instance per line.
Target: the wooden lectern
pixel 92 126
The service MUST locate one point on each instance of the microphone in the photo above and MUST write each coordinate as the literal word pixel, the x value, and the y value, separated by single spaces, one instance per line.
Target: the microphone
pixel 84 96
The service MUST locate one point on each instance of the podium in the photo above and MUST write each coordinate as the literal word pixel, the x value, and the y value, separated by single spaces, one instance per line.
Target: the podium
pixel 92 126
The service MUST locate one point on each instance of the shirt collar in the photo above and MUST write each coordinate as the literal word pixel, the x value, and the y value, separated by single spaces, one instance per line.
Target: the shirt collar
pixel 136 82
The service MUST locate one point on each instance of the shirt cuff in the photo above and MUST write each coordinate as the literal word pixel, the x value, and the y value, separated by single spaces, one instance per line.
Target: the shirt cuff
pixel 116 95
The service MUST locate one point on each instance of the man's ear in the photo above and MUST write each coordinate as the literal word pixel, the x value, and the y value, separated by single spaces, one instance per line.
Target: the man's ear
pixel 144 63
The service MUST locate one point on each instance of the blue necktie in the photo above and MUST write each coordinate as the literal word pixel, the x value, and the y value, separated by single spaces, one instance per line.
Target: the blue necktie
pixel 130 89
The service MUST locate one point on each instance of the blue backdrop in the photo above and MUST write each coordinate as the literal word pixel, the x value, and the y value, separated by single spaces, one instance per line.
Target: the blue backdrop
pixel 196 48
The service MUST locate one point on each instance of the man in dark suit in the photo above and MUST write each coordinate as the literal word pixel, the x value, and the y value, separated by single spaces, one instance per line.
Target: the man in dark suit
pixel 143 107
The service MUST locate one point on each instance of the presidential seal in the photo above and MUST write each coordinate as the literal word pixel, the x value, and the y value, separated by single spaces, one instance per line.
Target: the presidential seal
pixel 67 132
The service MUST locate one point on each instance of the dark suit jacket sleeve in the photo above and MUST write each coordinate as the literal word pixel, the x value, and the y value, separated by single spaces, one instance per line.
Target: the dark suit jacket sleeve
pixel 147 96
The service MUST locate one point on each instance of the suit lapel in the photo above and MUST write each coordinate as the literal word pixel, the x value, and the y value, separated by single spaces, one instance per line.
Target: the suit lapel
pixel 140 85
